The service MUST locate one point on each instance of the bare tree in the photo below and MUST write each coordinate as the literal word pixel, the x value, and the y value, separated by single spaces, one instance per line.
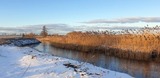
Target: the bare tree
pixel 44 31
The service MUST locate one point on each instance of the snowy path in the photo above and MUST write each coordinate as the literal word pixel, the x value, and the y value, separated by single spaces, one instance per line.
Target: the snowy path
pixel 16 62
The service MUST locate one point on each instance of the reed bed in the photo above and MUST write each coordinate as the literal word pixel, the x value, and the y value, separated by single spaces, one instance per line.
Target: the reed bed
pixel 140 44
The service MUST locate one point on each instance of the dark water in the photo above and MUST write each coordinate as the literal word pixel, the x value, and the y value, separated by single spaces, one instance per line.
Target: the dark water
pixel 137 69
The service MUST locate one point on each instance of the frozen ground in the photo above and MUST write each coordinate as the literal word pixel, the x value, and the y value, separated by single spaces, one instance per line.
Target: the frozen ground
pixel 23 41
pixel 18 41
pixel 24 62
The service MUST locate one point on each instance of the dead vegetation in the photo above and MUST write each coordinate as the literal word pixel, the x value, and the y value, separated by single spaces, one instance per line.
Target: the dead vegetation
pixel 140 44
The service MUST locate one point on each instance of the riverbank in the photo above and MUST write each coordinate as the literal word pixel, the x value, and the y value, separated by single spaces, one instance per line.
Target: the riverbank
pixel 18 41
pixel 141 46
pixel 20 62
pixel 126 54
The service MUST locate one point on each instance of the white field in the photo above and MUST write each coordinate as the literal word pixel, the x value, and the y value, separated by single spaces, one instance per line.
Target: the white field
pixel 24 62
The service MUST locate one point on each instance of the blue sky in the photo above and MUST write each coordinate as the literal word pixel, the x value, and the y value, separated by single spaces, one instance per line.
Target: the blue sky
pixel 21 13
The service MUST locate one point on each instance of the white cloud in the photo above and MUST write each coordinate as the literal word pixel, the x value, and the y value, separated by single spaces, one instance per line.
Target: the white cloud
pixel 52 28
pixel 60 28
pixel 126 20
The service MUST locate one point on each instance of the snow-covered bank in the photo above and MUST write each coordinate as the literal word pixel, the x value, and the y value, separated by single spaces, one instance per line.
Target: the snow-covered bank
pixel 23 41
pixel 24 62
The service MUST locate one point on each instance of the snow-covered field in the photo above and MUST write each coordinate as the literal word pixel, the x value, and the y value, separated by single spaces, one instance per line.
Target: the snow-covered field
pixel 25 62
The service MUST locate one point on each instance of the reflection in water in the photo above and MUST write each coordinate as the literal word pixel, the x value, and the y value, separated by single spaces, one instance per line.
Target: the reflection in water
pixel 44 48
pixel 137 69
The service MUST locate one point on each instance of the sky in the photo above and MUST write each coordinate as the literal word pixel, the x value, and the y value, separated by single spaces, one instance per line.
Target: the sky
pixel 78 13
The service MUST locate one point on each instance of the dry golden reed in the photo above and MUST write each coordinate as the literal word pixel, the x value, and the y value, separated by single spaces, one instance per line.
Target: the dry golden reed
pixel 134 44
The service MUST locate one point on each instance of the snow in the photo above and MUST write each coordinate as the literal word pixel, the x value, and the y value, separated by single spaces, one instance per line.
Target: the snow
pixel 23 42
pixel 25 62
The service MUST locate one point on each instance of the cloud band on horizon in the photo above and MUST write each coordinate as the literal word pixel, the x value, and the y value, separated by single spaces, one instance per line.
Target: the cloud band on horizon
pixel 59 28
pixel 126 20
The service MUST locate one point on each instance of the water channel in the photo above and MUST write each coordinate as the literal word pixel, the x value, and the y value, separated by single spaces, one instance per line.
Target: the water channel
pixel 137 69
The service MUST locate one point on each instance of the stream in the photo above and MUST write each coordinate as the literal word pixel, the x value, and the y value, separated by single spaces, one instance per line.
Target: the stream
pixel 137 69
